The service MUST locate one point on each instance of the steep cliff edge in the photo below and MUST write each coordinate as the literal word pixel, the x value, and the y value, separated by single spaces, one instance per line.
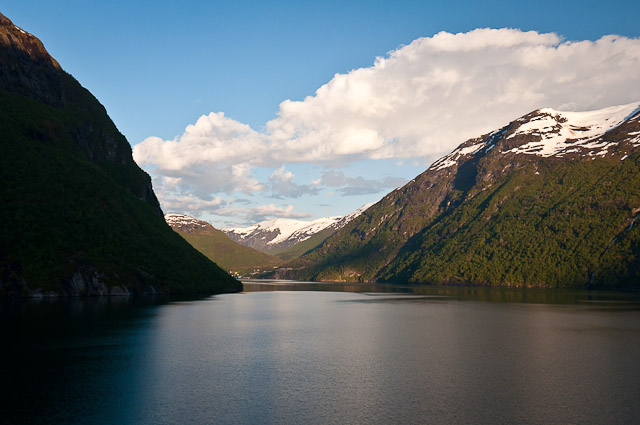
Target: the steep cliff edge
pixel 27 69
pixel 77 215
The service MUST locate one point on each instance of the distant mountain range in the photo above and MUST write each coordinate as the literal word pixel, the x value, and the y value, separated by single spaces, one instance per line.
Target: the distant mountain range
pixel 550 199
pixel 79 217
pixel 280 235
pixel 257 249
pixel 233 257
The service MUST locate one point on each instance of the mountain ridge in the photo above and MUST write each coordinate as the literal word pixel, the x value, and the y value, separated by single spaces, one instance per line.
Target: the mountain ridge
pixel 520 176
pixel 237 259
pixel 281 234
pixel 15 37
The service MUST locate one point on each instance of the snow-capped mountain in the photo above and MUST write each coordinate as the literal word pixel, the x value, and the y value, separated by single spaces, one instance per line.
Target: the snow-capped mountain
pixel 547 132
pixel 548 200
pixel 219 248
pixel 185 223
pixel 282 233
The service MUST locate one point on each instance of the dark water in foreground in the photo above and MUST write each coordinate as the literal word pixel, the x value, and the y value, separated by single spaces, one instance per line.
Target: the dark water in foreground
pixel 282 354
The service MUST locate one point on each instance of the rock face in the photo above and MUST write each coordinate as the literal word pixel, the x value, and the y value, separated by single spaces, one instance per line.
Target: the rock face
pixel 77 215
pixel 548 200
pixel 26 66
pixel 19 40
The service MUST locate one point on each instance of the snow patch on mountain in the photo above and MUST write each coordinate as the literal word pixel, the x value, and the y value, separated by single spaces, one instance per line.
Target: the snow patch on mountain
pixel 282 228
pixel 463 150
pixel 284 231
pixel 347 218
pixel 547 132
pixel 179 220
pixel 301 231
pixel 561 132
pixel 452 158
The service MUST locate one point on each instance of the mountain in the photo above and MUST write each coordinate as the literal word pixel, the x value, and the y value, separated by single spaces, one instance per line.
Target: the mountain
pixel 281 235
pixel 78 216
pixel 230 255
pixel 551 199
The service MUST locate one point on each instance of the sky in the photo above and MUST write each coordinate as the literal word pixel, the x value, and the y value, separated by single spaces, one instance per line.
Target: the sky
pixel 247 111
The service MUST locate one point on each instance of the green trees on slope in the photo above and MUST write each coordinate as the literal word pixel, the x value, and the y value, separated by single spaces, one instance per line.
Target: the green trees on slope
pixel 61 212
pixel 567 225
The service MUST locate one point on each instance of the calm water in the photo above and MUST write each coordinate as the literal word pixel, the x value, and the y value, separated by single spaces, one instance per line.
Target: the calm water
pixel 317 353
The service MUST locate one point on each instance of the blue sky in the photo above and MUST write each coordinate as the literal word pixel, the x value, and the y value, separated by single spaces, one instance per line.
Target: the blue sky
pixel 159 66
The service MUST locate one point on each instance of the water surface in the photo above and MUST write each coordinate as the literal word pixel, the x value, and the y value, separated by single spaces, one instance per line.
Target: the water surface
pixel 286 352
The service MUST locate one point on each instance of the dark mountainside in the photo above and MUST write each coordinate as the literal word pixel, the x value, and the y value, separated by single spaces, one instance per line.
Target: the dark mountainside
pixel 514 207
pixel 77 215
pixel 217 246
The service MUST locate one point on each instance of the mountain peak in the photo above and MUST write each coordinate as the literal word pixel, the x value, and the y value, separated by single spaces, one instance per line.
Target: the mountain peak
pixel 185 223
pixel 548 132
pixel 557 133
pixel 14 37
pixel 286 232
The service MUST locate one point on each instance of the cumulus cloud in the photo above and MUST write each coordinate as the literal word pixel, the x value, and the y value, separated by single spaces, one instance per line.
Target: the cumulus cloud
pixel 214 138
pixel 420 101
pixel 282 185
pixel 351 186
pixel 263 212
pixel 190 204
pixel 425 98
pixel 174 200
pixel 214 155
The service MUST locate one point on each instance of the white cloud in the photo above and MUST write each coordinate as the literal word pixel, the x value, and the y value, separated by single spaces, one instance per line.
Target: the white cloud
pixel 425 98
pixel 262 212
pixel 214 138
pixel 352 186
pixel 420 101
pixel 190 204
pixel 282 185
pixel 177 201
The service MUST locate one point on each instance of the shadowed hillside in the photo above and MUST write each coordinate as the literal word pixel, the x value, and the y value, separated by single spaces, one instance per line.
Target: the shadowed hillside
pixel 77 215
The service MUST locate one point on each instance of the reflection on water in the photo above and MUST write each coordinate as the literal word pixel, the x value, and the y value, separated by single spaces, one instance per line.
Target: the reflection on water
pixel 325 353
pixel 62 359
pixel 460 293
